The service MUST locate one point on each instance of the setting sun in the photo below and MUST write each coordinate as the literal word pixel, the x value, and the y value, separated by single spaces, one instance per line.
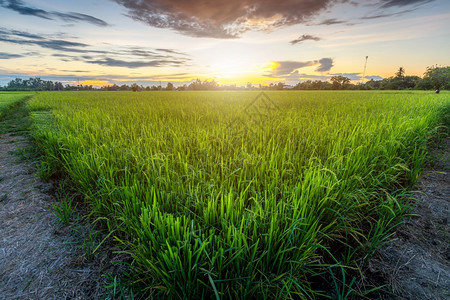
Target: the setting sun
pixel 229 67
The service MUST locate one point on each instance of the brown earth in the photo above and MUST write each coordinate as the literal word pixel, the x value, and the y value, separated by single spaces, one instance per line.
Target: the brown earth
pixel 39 257
pixel 416 264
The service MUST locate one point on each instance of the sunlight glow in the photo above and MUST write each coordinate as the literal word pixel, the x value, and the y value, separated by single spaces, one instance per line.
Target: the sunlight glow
pixel 229 67
pixel 95 83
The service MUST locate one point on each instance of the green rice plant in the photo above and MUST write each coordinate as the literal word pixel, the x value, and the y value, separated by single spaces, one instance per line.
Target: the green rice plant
pixel 211 202
pixel 90 244
pixel 10 99
pixel 342 289
pixel 64 210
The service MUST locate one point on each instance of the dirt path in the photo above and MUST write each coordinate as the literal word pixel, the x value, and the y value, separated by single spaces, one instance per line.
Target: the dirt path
pixel 38 256
pixel 416 265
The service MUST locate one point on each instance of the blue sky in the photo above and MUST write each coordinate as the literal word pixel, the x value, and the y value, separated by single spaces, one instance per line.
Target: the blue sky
pixel 231 41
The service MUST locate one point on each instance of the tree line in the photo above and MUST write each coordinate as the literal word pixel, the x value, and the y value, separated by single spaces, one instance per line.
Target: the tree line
pixel 435 77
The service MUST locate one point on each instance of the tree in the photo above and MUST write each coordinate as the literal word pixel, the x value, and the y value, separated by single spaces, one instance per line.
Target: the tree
pixel 169 86
pixel 339 82
pixel 280 86
pixel 437 77
pixel 59 86
pixel 400 73
pixel 134 87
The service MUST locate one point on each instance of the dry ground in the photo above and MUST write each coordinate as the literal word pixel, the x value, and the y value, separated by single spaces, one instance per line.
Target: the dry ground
pixel 416 264
pixel 36 261
pixel 39 257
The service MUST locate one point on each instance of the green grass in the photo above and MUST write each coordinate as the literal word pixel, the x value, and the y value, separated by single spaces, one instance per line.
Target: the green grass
pixel 14 118
pixel 213 200
pixel 9 99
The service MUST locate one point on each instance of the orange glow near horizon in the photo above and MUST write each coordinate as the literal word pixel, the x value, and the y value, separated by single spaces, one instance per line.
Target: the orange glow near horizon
pixel 95 83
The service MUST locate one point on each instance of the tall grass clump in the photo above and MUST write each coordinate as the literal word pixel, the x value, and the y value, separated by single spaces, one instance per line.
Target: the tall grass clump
pixel 10 99
pixel 212 201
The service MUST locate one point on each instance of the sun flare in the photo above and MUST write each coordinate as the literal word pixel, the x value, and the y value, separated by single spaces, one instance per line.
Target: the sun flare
pixel 228 68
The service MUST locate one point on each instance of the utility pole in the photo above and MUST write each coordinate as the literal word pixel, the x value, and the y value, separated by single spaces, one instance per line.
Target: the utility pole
pixel 364 72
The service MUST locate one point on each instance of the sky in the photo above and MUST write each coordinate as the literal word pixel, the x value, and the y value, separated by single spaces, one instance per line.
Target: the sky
pixel 104 42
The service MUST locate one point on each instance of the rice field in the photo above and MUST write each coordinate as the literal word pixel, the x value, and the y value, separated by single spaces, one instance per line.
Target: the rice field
pixel 7 100
pixel 240 195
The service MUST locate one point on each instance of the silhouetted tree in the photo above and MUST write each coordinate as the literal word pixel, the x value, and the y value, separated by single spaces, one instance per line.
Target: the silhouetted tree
pixel 400 73
pixel 134 87
pixel 339 82
pixel 169 86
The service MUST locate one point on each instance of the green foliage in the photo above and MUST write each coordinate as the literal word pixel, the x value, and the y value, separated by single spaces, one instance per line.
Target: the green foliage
pixel 33 84
pixel 63 210
pixel 400 73
pixel 8 100
pixel 340 82
pixel 343 289
pixel 437 77
pixel 211 201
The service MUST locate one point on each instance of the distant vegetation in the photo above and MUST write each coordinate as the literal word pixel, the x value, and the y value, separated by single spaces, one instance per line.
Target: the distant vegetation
pixel 214 199
pixel 435 77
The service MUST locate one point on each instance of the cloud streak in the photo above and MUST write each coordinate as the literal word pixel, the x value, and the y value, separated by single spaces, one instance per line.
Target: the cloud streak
pixel 126 57
pixel 305 37
pixel 332 21
pixel 4 55
pixel 390 5
pixel 110 62
pixel 399 3
pixel 386 15
pixel 71 17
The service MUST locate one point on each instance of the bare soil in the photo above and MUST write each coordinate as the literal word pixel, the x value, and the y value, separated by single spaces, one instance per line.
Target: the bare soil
pixel 39 257
pixel 416 264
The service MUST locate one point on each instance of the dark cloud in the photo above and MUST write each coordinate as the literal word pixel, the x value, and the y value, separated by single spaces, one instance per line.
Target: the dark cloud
pixel 398 3
pixel 325 64
pixel 171 51
pixel 20 7
pixel 77 17
pixel 223 18
pixel 354 3
pixel 289 69
pixel 386 15
pixel 75 71
pixel 110 62
pixel 332 21
pixel 285 68
pixel 22 34
pixel 4 55
pixel 16 37
pixel 128 57
pixel 390 5
pixel 305 37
